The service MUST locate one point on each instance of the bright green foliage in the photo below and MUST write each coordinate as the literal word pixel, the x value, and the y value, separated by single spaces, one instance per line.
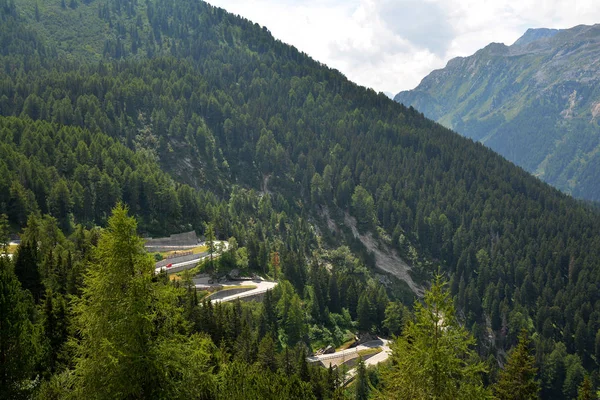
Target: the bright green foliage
pixel 434 356
pixel 395 314
pixel 240 381
pixel 185 366
pixel 518 378
pixel 266 354
pixel 293 324
pixel 189 115
pixel 115 318
pixel 574 376
pixel 585 391
pixel 130 327
pixel 363 208
pixel 17 334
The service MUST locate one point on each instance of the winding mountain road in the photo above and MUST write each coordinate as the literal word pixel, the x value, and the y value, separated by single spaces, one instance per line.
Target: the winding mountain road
pixel 261 287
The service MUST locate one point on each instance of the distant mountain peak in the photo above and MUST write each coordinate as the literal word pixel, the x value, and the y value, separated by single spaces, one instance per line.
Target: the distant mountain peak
pixel 534 34
pixel 536 102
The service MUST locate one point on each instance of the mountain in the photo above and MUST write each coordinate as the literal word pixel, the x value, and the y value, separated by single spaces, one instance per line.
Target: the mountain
pixel 199 119
pixel 535 102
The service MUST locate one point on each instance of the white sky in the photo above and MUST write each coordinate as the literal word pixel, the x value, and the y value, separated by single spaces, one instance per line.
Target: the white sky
pixel 390 45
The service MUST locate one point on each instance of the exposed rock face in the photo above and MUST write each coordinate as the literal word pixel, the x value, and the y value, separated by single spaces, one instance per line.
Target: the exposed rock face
pixel 535 102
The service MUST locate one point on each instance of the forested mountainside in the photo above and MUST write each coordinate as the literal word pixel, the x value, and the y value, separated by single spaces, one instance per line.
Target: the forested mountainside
pixel 535 102
pixel 198 119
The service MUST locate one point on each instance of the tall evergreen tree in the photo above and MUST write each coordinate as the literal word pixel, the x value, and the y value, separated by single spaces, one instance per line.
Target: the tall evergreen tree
pixel 4 233
pixel 362 381
pixel 210 242
pixel 518 378
pixel 17 334
pixel 585 391
pixel 114 317
pixel 434 356
pixel 27 270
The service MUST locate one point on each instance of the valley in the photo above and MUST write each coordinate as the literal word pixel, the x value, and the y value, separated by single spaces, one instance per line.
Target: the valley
pixel 352 215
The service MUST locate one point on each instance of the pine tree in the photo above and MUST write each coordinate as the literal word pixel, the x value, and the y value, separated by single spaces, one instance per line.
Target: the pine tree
pixel 518 378
pixel 434 356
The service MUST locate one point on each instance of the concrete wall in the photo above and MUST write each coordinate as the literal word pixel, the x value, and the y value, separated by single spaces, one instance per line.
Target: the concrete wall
pixel 250 297
pixel 179 239
pixel 177 260
pixel 226 293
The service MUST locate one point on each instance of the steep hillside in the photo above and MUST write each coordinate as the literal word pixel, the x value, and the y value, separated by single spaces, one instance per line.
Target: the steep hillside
pixel 536 102
pixel 223 107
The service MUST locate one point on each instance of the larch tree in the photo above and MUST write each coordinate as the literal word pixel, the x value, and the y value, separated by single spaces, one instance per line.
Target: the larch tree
pixel 131 336
pixel 518 378
pixel 433 358
pixel 114 317
pixel 585 391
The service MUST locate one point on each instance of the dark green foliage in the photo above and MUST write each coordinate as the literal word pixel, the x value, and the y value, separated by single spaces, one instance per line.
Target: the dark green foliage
pixel 395 317
pixel 362 382
pixel 17 335
pixel 97 182
pixel 26 268
pixel 193 117
pixel 55 327
pixel 4 233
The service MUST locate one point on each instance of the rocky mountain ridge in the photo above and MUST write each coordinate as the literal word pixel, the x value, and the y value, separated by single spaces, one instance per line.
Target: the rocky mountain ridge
pixel 536 102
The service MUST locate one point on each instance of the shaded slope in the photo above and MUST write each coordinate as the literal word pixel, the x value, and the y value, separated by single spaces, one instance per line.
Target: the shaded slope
pixel 221 92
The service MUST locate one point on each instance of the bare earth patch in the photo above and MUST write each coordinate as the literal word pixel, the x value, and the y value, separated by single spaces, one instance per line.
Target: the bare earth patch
pixel 385 258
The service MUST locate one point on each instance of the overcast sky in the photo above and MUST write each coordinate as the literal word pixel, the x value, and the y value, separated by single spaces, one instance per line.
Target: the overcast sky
pixel 390 45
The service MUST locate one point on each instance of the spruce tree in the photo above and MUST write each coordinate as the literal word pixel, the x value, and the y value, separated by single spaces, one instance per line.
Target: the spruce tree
pixel 26 268
pixel 210 243
pixel 4 233
pixel 362 381
pixel 17 334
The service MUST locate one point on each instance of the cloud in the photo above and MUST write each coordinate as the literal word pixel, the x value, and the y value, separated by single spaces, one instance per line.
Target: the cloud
pixel 390 45
pixel 423 23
